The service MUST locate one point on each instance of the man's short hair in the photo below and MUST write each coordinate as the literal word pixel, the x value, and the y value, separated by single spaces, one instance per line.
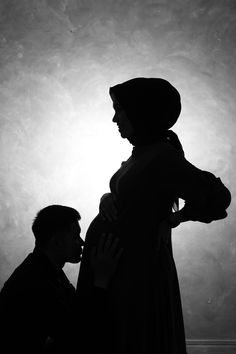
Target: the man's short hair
pixel 52 219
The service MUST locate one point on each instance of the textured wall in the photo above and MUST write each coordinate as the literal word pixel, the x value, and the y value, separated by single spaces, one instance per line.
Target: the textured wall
pixel 57 61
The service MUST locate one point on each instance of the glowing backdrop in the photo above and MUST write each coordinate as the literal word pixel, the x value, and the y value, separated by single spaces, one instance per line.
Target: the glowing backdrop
pixel 58 59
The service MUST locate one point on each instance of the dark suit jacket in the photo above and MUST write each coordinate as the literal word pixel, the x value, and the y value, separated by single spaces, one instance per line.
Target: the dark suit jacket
pixel 40 311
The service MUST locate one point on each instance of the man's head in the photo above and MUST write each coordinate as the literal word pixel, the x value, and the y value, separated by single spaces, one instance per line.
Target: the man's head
pixel 57 230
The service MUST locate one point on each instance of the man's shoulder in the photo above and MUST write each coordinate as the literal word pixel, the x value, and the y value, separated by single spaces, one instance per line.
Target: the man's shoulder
pixel 30 276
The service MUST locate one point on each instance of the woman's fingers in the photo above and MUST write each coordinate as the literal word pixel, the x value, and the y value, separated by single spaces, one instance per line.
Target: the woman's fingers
pixel 109 208
pixel 105 215
pixel 113 207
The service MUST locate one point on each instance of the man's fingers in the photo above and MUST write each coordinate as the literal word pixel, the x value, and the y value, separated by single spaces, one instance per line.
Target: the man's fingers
pixel 114 250
pixel 93 252
pixel 105 241
pixel 109 241
pixel 101 242
pixel 108 247
pixel 119 253
pixel 114 245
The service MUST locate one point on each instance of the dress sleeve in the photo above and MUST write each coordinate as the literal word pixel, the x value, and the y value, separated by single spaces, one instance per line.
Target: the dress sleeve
pixel 216 199
pixel 206 197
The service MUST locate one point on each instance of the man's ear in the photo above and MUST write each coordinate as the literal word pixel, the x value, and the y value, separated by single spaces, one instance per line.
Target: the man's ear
pixel 58 239
pixel 55 240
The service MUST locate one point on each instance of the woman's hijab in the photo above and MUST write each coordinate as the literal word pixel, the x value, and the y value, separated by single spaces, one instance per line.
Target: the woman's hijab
pixel 152 105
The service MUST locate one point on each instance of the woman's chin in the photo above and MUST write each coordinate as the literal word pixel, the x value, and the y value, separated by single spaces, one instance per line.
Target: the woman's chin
pixel 123 134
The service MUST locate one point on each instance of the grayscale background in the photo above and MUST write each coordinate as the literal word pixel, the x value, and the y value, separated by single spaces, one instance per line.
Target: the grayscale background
pixel 58 144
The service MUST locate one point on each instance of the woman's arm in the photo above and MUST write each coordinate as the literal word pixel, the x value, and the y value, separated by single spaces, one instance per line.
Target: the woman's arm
pixel 206 197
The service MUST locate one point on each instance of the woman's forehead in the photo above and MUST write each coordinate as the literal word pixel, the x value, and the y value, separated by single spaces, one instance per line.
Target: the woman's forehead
pixel 115 101
pixel 113 97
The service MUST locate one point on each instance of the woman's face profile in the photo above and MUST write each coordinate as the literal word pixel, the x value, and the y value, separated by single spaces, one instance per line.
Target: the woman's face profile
pixel 120 118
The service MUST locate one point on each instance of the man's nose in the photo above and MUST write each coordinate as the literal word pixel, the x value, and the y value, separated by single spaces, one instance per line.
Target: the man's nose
pixel 114 119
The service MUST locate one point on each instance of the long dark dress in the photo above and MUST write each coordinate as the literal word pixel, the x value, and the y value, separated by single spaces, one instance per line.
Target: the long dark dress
pixel 145 304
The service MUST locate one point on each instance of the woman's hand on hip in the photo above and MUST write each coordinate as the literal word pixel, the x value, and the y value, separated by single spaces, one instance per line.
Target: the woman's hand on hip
pixel 108 208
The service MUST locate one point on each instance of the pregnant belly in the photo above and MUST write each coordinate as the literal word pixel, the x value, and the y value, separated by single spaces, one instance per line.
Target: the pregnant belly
pixel 96 228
